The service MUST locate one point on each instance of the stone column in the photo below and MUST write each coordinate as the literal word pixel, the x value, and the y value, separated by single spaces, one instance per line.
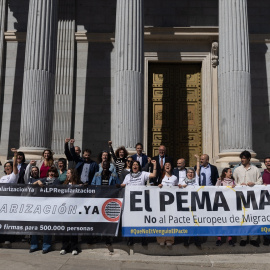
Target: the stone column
pixel 127 121
pixel 39 77
pixel 64 77
pixel 2 30
pixel 235 124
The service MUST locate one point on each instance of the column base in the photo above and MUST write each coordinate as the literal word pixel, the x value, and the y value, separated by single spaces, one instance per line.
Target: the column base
pixel 32 153
pixel 227 157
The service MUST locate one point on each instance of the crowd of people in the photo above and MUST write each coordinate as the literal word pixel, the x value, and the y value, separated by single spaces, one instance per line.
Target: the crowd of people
pixel 121 169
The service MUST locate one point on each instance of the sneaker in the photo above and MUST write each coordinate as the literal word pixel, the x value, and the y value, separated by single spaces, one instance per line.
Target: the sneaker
pixel 63 252
pixel 218 243
pixel 169 244
pixel 74 252
pixel 162 243
pixel 7 243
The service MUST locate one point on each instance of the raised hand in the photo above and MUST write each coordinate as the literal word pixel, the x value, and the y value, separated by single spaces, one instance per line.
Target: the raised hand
pixel 72 141
pixel 33 162
pixel 67 140
pixel 110 143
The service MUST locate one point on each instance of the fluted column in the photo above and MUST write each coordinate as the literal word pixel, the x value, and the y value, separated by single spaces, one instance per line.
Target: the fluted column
pixel 64 75
pixel 39 76
pixel 2 30
pixel 235 125
pixel 127 122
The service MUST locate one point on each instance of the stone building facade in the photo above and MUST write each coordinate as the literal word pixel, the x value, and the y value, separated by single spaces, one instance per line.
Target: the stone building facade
pixel 192 75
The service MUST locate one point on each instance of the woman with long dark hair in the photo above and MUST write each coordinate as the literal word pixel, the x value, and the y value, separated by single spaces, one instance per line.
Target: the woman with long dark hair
pixel 119 157
pixel 44 164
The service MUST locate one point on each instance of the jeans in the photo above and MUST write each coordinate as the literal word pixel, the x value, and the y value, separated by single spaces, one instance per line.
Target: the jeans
pixel 47 240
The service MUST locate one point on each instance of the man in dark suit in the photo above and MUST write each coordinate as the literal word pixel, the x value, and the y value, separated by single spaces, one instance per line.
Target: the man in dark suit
pixel 142 158
pixel 161 159
pixel 208 173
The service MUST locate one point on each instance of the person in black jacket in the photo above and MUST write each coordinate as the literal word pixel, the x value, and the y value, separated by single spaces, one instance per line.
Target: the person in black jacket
pixel 71 162
pixel 21 166
pixel 161 159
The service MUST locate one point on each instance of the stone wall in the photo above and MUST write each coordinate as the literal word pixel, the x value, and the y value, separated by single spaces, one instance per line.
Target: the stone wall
pixel 94 70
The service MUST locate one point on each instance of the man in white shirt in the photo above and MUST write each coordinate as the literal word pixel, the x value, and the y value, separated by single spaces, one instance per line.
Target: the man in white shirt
pixel 247 175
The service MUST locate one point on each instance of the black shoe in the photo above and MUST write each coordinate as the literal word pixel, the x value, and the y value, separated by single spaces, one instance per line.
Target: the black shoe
pixel 254 243
pixel 108 242
pixel 243 243
pixel 266 242
pixel 186 244
pixel 198 244
pixel 144 242
pixel 33 250
pixel 130 242
pixel 218 243
pixel 45 251
pixel 231 243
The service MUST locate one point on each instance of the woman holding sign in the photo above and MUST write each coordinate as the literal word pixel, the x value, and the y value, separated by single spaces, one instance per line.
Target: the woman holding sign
pixel 137 177
pixel 70 243
pixel 11 177
pixel 168 180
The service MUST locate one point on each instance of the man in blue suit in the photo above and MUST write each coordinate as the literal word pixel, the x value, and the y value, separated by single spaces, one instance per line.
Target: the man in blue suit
pixel 142 158
pixel 208 172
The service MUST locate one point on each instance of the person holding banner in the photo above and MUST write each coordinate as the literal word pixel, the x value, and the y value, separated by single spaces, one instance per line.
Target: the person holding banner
pixel 208 173
pixel 266 181
pixel 247 175
pixel 51 179
pixel 106 178
pixel 11 170
pixel 44 165
pixel 11 177
pixel 34 175
pixel 70 243
pixel 192 179
pixel 126 169
pixel 105 156
pixel 168 180
pixel 226 179
pixel 137 177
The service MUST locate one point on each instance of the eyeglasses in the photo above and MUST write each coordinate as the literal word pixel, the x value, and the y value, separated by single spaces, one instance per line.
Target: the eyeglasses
pixel 129 161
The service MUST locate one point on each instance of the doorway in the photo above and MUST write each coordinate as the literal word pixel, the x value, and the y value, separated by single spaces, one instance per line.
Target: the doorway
pixel 175 110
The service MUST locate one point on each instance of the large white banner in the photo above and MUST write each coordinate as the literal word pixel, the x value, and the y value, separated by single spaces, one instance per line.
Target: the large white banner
pixel 60 210
pixel 193 211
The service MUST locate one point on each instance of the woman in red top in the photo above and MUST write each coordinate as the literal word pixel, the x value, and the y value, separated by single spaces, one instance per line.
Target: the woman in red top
pixel 44 164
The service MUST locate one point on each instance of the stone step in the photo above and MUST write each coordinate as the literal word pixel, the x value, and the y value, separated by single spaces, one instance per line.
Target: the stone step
pixel 208 247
